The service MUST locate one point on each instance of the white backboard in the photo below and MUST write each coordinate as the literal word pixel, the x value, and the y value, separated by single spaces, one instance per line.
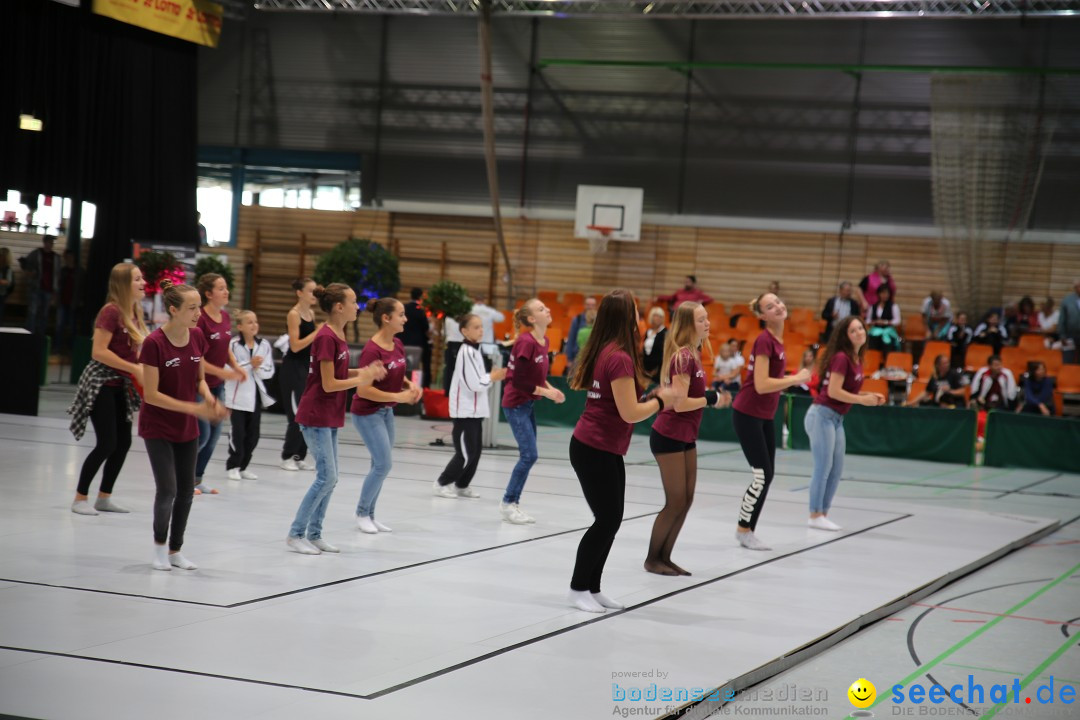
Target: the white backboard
pixel 615 207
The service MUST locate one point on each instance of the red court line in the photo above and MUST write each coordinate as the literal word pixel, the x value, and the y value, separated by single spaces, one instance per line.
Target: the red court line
pixel 1013 617
pixel 1057 544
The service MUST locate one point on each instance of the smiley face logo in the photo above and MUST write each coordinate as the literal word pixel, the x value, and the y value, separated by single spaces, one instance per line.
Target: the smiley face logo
pixel 862 693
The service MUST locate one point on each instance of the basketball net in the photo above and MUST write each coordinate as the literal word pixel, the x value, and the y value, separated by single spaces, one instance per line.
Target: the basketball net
pixel 599 236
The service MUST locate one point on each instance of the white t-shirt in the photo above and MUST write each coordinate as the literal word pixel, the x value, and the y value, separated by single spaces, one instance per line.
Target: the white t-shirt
pixel 453 330
pixel 488 317
pixel 1047 322
pixel 729 365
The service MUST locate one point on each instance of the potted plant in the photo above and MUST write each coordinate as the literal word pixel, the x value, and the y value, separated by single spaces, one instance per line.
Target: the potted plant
pixel 445 299
pixel 367 267
pixel 214 264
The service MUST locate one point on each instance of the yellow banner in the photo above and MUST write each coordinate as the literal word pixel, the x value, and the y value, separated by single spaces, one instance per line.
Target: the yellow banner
pixel 198 21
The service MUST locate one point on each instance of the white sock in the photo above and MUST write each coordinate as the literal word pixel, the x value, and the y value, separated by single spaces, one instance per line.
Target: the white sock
pixel 583 600
pixel 178 560
pixel 106 504
pixel 381 527
pixel 366 525
pixel 607 602
pixel 161 557
pixel 82 507
pixel 302 546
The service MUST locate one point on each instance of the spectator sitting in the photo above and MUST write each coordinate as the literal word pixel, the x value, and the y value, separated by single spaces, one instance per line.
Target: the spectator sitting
pixel 994 387
pixel 937 315
pixel 689 293
pixel 655 336
pixel 944 389
pixel 884 319
pixel 990 332
pixel 839 307
pixel 960 335
pixel 880 275
pixel 585 330
pixel 572 346
pixel 810 387
pixel 1069 324
pixel 1027 318
pixel 727 368
pixel 1038 390
pixel 1048 319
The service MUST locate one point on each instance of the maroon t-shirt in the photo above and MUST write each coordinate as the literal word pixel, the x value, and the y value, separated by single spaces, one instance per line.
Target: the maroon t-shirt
pixel 601 426
pixel 526 371
pixel 394 362
pixel 853 378
pixel 110 320
pixel 218 336
pixel 317 407
pixel 178 377
pixel 749 401
pixel 683 426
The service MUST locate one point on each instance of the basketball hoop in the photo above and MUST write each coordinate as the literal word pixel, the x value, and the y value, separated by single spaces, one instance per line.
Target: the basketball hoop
pixel 599 236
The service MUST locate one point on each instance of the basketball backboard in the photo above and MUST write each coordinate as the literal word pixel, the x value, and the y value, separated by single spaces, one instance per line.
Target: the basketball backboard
pixel 618 208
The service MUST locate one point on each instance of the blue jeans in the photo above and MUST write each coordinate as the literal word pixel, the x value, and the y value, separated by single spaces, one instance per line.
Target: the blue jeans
pixel 322 442
pixel 825 427
pixel 377 430
pixel 37 315
pixel 208 436
pixel 523 425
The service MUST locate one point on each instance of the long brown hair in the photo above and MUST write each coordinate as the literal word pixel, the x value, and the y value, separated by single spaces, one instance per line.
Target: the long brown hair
pixel 680 337
pixel 131 312
pixel 839 342
pixel 616 322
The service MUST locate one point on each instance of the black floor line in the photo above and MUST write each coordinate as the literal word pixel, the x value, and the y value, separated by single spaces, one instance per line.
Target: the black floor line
pixel 472 661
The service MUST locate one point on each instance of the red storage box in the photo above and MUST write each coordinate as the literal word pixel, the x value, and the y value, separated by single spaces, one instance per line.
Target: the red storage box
pixel 436 404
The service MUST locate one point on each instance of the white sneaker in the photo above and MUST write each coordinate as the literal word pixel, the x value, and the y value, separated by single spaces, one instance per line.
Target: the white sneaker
pixel 381 527
pixel 823 523
pixel 467 492
pixel 302 546
pixel 301 465
pixel 234 474
pixel 366 525
pixel 323 546
pixel 248 475
pixel 446 491
pixel 528 518
pixel 290 464
pixel 512 515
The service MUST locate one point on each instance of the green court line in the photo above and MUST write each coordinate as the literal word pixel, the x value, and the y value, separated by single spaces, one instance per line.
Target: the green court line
pixel 974 480
pixel 1007 672
pixel 922 669
pixel 931 476
pixel 1069 642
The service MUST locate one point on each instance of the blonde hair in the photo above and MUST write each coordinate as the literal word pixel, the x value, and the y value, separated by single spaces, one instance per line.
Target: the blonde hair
pixel 120 296
pixel 657 311
pixel 680 337
pixel 241 314
pixel 521 315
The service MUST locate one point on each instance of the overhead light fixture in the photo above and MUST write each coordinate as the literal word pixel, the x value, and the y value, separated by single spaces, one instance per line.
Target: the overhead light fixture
pixel 31 123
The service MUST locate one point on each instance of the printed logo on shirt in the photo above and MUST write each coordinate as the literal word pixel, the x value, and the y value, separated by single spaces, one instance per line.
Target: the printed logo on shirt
pixel 172 362
pixel 342 355
pixel 215 336
pixel 539 358
pixel 400 362
pixel 196 358
pixel 593 393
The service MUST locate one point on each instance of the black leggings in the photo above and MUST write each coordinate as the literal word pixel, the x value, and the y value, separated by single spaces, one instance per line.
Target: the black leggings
pixel 173 465
pixel 468 443
pixel 113 438
pixel 603 481
pixel 243 435
pixel 758 440
pixel 292 381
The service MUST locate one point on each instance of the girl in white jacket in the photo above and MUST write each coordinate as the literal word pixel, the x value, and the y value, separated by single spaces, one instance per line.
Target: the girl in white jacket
pixel 246 398
pixel 468 407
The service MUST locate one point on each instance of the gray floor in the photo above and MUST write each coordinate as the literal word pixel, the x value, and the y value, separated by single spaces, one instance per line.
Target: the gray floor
pixel 942 572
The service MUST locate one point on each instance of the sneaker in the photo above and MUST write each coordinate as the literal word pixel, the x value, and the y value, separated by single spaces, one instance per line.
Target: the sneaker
pixel 381 527
pixel 290 465
pixel 323 546
pixel 467 492
pixel 248 475
pixel 522 513
pixel 234 474
pixel 301 465
pixel 823 523
pixel 302 546
pixel 446 491
pixel 366 525
pixel 750 541
pixel 512 515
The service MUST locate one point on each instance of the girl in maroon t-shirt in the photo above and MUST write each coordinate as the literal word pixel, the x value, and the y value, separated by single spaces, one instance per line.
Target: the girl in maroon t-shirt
pixel 322 411
pixel 841 374
pixel 118 332
pixel 526 380
pixel 373 405
pixel 754 409
pixel 609 370
pixel 172 369
pixel 673 439
pixel 219 365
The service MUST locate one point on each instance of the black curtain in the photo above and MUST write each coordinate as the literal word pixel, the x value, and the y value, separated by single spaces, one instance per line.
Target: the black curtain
pixel 119 110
